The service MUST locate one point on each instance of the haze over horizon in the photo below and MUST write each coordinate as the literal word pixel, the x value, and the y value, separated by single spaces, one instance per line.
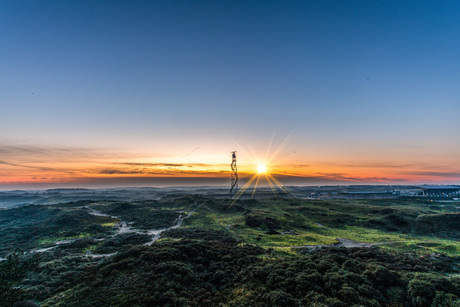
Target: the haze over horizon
pixel 115 93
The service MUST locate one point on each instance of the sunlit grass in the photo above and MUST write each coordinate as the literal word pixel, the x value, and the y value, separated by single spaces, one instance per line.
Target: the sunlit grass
pixel 53 240
pixel 435 245
pixel 306 231
pixel 90 249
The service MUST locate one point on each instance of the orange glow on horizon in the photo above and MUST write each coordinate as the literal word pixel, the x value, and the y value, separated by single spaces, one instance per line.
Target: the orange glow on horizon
pixel 69 171
pixel 278 165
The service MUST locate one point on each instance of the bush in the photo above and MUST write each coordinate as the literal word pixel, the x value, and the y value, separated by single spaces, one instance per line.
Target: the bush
pixel 420 292
pixel 12 271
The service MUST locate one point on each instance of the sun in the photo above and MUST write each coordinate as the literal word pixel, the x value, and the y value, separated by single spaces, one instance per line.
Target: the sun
pixel 261 169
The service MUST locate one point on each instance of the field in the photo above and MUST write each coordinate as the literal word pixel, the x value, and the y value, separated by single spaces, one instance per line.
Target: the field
pixel 394 224
pixel 206 251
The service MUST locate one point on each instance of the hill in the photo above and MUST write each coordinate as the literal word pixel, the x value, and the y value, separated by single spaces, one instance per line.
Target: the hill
pixel 194 250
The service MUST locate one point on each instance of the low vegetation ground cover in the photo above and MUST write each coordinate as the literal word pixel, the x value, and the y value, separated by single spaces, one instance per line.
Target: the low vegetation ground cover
pixel 272 252
pixel 281 222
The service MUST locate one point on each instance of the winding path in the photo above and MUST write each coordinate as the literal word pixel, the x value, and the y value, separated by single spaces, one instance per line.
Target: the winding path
pixel 347 243
pixel 123 227
pixel 157 232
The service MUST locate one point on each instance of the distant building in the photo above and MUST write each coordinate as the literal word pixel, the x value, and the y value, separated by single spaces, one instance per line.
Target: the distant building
pixel 438 190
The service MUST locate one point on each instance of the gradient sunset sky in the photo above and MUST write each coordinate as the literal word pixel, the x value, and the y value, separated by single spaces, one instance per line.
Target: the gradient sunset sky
pixel 154 93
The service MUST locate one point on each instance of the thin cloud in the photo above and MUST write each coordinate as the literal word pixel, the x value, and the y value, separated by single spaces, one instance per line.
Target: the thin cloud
pixel 41 150
pixel 147 164
pixel 435 174
pixel 300 165
pixel 119 172
pixel 33 152
pixel 378 165
pixel 369 165
pixel 42 168
pixel 346 177
pixel 151 164
pixel 160 172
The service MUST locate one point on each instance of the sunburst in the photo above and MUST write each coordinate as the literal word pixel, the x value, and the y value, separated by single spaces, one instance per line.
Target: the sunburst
pixel 262 169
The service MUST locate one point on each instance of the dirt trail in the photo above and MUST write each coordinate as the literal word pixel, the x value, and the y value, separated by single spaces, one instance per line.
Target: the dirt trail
pixel 123 227
pixel 157 232
pixel 347 243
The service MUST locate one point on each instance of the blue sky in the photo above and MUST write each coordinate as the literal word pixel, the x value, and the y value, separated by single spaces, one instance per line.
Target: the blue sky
pixel 354 81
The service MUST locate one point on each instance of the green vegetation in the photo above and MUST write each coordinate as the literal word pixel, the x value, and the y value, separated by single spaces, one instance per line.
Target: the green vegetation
pixel 34 226
pixel 12 271
pixel 142 215
pixel 271 252
pixel 193 272
pixel 395 224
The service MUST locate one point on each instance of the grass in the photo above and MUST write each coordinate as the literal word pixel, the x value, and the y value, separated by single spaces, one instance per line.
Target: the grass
pixel 365 221
pixel 90 249
pixel 273 223
pixel 449 248
pixel 52 240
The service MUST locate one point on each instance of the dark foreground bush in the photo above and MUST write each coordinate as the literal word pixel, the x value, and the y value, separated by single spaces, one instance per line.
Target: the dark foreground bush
pixel 13 270
pixel 209 273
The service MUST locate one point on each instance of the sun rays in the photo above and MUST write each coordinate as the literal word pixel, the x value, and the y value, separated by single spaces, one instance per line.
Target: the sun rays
pixel 262 169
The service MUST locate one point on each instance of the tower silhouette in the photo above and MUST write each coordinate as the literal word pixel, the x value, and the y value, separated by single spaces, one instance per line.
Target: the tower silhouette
pixel 234 186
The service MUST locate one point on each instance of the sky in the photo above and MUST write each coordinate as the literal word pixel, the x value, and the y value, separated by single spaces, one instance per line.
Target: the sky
pixel 152 93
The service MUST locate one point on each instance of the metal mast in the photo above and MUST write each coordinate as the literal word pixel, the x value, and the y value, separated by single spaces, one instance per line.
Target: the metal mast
pixel 234 175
